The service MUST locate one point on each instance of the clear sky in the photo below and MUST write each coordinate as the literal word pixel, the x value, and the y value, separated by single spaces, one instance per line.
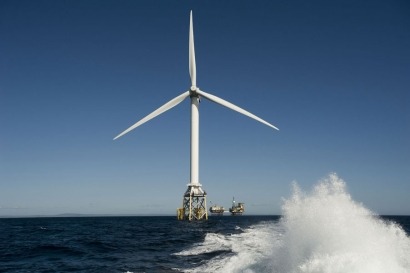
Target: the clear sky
pixel 334 76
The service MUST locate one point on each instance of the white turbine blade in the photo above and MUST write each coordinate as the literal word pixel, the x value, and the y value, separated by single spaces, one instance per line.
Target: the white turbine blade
pixel 233 107
pixel 192 65
pixel 159 111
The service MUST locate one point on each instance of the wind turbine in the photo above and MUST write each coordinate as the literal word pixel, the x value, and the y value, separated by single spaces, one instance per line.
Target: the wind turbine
pixel 194 202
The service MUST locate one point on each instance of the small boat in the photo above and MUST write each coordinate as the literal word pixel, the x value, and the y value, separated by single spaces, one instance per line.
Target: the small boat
pixel 215 209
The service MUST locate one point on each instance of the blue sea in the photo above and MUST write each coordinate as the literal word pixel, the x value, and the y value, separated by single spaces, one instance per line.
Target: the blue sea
pixel 323 231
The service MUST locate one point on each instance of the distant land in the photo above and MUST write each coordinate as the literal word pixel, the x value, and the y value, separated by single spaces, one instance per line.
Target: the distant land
pixel 62 215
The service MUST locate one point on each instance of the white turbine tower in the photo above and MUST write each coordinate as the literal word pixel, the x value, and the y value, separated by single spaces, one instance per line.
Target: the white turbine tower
pixel 194 202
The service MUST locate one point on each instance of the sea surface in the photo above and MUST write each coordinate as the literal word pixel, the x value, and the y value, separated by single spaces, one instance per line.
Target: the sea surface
pixel 324 231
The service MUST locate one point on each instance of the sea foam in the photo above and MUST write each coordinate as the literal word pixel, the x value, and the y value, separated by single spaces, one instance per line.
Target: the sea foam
pixel 323 231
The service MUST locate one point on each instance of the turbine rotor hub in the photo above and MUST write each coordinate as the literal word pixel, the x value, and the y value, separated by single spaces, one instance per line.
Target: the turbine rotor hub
pixel 192 91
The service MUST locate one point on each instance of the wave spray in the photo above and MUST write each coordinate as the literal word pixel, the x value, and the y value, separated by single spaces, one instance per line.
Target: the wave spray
pixel 323 231
pixel 326 231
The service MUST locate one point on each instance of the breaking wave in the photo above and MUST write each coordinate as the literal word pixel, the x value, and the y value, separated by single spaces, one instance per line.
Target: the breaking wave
pixel 323 231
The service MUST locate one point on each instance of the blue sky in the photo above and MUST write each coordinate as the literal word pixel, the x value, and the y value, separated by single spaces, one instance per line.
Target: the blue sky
pixel 334 76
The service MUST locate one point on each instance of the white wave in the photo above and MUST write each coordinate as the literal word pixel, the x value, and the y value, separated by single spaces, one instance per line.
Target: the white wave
pixel 249 249
pixel 212 242
pixel 324 231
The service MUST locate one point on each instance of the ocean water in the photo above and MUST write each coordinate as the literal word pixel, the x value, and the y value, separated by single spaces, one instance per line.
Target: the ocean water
pixel 322 231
